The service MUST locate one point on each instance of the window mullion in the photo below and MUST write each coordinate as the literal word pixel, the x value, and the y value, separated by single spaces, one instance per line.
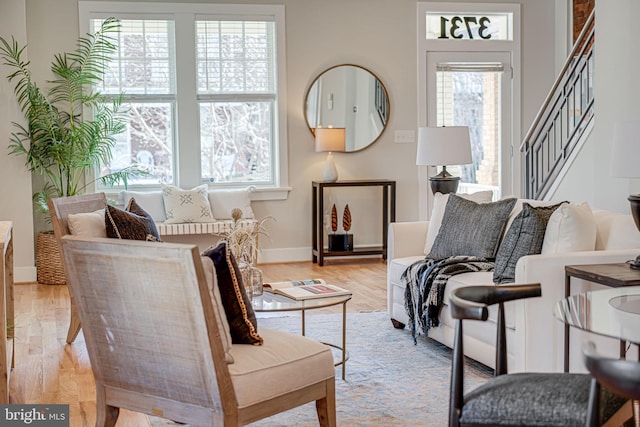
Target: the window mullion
pixel 188 155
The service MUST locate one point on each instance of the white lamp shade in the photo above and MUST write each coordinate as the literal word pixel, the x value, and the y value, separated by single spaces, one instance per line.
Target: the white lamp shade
pixel 441 146
pixel 625 150
pixel 330 139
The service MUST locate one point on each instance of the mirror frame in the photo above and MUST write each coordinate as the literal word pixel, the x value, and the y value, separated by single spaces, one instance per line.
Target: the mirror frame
pixel 384 92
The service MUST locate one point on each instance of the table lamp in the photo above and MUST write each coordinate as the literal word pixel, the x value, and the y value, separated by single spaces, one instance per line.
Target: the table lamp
pixel 330 139
pixel 625 152
pixel 442 146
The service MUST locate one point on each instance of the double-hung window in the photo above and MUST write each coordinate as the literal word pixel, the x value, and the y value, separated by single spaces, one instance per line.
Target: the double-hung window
pixel 204 91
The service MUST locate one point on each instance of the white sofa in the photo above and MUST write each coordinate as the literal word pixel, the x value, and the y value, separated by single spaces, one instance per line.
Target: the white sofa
pixel 534 335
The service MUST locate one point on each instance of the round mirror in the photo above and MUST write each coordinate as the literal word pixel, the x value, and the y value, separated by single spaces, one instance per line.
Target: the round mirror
pixel 351 97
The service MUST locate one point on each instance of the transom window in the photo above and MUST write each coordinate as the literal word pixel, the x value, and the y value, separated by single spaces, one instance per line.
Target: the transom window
pixel 201 89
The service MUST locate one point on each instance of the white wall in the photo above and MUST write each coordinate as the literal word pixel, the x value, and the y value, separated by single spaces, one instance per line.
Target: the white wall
pixel 616 92
pixel 377 34
pixel 15 181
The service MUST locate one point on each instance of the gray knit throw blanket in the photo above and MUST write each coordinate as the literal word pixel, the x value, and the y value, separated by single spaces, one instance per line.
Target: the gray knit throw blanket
pixel 424 283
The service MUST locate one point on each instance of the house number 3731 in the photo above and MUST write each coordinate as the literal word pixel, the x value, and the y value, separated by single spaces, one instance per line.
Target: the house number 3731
pixel 460 26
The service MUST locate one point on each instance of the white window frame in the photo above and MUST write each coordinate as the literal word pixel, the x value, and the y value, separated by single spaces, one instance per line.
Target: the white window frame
pixel 187 172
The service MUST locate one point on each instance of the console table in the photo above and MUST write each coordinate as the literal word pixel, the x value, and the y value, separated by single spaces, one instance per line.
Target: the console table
pixel 319 253
pixel 6 308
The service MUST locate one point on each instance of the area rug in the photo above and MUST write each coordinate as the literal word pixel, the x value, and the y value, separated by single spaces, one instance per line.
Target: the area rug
pixel 389 380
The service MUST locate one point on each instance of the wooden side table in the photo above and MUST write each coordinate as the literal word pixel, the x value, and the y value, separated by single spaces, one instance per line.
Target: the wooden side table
pixel 613 275
pixel 319 253
pixel 6 308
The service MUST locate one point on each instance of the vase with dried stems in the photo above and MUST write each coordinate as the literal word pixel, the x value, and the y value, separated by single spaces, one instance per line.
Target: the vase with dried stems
pixel 243 241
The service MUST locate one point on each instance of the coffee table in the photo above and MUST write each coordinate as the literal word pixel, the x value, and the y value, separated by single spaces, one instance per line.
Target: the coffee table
pixel 271 303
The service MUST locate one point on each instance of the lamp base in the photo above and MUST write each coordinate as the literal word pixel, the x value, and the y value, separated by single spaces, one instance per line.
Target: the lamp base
pixel 444 183
pixel 330 173
pixel 634 201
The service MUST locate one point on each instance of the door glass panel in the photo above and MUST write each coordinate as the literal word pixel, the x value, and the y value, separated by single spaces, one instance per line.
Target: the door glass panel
pixel 466 97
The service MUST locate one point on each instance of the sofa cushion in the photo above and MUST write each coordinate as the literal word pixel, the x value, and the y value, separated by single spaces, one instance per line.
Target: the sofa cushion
pixel 134 223
pixel 470 228
pixel 615 231
pixel 570 228
pixel 243 324
pixel 186 205
pixel 478 278
pixel 437 213
pixel 524 237
pixel 151 201
pixel 294 359
pixel 224 201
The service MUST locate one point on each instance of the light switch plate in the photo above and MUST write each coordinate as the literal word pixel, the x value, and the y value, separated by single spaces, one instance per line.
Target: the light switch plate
pixel 404 136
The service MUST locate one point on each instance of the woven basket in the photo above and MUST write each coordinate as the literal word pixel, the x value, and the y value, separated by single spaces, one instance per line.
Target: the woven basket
pixel 49 260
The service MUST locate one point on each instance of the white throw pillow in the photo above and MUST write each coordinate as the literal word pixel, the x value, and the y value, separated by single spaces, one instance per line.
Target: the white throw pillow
pixel 150 201
pixel 87 224
pixel 186 206
pixel 437 213
pixel 224 201
pixel 570 228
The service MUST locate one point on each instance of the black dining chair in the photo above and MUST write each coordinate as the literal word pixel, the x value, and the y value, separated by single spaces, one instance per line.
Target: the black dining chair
pixel 520 399
pixel 622 377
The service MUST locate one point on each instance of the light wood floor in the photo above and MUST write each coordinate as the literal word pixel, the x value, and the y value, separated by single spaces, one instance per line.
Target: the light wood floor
pixel 47 370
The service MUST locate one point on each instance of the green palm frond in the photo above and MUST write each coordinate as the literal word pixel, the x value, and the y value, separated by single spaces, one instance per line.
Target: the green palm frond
pixel 58 140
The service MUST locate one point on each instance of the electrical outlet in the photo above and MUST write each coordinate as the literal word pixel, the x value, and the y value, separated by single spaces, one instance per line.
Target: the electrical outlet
pixel 404 136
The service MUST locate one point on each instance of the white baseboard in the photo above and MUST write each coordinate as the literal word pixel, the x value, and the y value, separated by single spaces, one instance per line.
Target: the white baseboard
pixel 25 274
pixel 284 255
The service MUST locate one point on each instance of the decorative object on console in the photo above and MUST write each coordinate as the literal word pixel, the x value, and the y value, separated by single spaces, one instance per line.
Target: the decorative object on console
pixel 625 151
pixel 330 139
pixel 442 146
pixel 341 242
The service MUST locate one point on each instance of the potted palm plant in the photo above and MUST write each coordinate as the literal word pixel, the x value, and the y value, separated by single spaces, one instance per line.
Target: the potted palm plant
pixel 70 128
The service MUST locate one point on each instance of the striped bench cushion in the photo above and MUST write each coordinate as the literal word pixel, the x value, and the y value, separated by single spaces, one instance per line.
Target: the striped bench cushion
pixel 216 227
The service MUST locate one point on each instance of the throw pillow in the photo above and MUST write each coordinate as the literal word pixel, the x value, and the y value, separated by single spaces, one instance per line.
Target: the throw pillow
pixel 470 228
pixel 243 324
pixel 186 206
pixel 133 223
pixel 150 201
pixel 524 237
pixel 87 224
pixel 571 228
pixel 224 201
pixel 218 307
pixel 437 213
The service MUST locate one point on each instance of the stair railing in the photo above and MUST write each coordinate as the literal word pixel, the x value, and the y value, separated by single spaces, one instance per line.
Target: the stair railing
pixel 562 119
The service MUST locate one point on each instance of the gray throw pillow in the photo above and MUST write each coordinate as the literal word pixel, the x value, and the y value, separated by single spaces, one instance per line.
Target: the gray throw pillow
pixel 524 237
pixel 470 228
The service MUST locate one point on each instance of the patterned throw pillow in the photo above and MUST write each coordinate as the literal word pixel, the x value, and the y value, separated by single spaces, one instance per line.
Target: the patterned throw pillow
pixel 133 223
pixel 237 305
pixel 470 228
pixel 186 206
pixel 524 237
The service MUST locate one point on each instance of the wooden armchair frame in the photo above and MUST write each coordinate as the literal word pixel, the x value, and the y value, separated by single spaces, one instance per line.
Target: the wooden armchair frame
pixel 59 210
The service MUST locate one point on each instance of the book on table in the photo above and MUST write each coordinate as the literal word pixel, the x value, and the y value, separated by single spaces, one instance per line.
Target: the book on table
pixel 305 289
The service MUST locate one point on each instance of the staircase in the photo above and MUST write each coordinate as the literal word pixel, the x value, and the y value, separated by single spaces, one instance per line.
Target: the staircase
pixel 565 116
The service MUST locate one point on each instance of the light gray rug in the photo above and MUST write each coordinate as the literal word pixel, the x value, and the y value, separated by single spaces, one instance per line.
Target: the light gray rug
pixel 389 380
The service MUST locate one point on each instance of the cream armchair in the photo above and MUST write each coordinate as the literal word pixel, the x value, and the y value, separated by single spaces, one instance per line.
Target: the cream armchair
pixel 158 343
